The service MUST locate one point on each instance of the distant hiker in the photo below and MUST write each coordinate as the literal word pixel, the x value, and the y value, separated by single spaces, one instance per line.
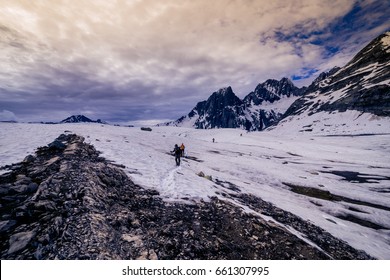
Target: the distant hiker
pixel 182 147
pixel 177 152
pixel 213 140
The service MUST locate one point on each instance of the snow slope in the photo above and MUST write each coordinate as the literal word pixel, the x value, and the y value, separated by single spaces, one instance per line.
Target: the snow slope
pixel 265 164
pixel 350 122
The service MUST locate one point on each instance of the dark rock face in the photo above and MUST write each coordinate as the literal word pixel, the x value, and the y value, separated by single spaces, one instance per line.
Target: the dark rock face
pixel 373 100
pixel 80 119
pixel 69 203
pixel 377 51
pixel 261 119
pixel 76 119
pixel 271 91
pixel 223 109
pixel 321 80
pixel 360 85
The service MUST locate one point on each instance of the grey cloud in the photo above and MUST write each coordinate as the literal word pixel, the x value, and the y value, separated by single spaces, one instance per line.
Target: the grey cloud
pixel 125 60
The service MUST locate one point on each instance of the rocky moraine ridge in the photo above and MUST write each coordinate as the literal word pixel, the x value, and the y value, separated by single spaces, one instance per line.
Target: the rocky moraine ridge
pixel 67 202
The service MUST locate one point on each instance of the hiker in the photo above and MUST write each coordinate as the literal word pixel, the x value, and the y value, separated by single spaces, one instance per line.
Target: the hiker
pixel 177 152
pixel 213 140
pixel 182 147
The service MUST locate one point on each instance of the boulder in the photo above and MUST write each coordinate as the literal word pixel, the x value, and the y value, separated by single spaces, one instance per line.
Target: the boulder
pixel 19 241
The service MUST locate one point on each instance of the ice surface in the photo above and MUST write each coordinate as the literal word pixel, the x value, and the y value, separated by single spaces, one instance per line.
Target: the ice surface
pixel 259 163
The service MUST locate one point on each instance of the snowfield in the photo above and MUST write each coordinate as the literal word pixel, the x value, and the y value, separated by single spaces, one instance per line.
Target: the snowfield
pixel 351 173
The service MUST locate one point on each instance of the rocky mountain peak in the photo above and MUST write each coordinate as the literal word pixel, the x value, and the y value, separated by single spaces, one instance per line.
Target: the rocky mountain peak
pixel 222 98
pixel 281 87
pixel 223 109
pixel 219 110
pixel 377 51
pixel 225 91
pixel 286 82
pixel 76 119
pixel 361 85
pixel 368 68
pixel 79 119
pixel 272 90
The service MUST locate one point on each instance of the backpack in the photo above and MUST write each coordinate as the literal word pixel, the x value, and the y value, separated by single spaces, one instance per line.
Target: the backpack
pixel 177 151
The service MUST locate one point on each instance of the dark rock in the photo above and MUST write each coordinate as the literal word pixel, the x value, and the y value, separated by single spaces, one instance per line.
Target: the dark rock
pixel 6 225
pixel 57 145
pixel 271 91
pixel 19 241
pixel 32 188
pixel 221 109
pixel 29 159
pixel 19 188
pixel 5 189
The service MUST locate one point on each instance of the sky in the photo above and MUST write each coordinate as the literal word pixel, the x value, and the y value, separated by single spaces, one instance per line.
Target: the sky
pixel 149 61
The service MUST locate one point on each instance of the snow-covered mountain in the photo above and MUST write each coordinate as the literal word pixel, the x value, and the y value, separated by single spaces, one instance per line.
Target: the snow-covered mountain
pixel 271 91
pixel 79 119
pixel 259 109
pixel 223 109
pixel 357 93
pixel 321 80
pixel 337 101
pixel 269 101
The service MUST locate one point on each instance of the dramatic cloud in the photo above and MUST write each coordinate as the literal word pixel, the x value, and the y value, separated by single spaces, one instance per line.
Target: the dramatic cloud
pixel 150 60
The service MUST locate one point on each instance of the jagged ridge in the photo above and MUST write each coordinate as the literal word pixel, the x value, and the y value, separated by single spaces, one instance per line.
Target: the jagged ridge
pixel 79 119
pixel 223 109
pixel 362 85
